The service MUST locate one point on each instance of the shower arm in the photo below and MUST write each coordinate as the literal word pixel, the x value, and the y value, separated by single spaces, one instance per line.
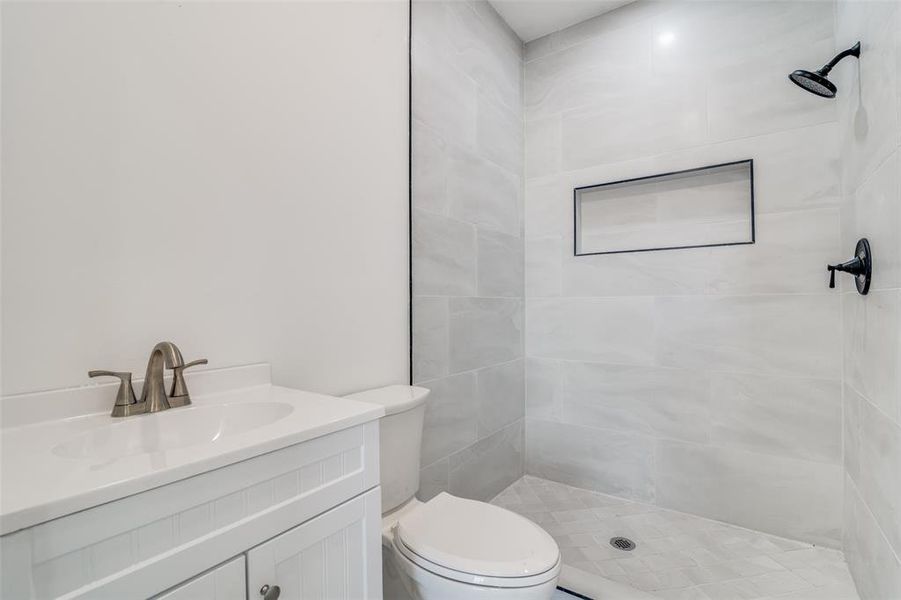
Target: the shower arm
pixel 852 51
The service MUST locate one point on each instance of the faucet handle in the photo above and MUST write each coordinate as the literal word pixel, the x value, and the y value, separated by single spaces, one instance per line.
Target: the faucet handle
pixel 126 403
pixel 179 395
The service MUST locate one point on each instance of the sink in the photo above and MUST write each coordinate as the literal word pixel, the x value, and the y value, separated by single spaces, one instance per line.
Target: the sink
pixel 172 429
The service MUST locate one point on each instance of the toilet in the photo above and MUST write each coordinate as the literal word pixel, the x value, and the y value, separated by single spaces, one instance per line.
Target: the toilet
pixel 448 547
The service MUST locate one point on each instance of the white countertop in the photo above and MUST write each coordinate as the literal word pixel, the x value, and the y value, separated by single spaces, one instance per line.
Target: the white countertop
pixel 37 484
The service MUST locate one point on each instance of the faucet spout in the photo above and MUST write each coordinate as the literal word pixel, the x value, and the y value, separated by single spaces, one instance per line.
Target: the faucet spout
pixel 154 393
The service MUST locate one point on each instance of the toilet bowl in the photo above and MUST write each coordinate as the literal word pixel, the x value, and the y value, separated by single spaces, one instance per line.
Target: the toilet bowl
pixel 449 548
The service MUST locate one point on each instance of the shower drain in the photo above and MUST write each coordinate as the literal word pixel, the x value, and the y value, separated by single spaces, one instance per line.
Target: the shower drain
pixel 622 543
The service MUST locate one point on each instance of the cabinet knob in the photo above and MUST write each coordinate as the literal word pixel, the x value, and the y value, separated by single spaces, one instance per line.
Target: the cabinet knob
pixel 270 592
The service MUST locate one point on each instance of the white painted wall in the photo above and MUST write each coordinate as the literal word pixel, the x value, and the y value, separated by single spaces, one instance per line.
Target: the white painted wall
pixel 869 103
pixel 230 176
pixel 706 380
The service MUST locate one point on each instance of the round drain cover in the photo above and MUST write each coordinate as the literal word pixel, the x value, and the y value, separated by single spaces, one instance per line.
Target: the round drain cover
pixel 621 543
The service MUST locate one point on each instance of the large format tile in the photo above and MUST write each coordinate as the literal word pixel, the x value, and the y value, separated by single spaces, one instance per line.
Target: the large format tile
pixel 482 193
pixel 500 264
pixel 780 335
pixel 444 255
pixel 501 394
pixel 788 497
pixel 488 466
pixel 445 97
pixel 615 330
pixel 609 461
pixel 429 169
pixel 451 416
pixel 873 211
pixel 872 347
pixel 544 258
pixel 484 331
pixel 875 567
pixel 790 417
pixel 670 403
pixel 544 389
pixel 879 482
pixel 431 338
pixel 433 479
pixel 542 147
pixel 499 134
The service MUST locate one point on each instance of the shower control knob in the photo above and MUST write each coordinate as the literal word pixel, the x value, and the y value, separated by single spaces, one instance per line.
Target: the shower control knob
pixel 270 592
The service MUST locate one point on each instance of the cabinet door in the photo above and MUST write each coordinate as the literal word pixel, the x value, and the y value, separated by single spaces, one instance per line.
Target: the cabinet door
pixel 336 556
pixel 225 582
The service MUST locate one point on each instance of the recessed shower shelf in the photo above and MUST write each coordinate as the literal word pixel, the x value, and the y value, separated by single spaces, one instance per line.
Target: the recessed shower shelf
pixel 694 208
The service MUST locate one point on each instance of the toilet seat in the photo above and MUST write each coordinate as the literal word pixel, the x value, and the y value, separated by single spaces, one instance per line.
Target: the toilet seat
pixel 477 543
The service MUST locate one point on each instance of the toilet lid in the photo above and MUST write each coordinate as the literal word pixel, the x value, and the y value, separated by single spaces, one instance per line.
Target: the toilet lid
pixel 476 538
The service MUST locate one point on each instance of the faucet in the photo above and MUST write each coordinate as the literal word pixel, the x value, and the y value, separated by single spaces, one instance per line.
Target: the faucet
pixel 154 393
pixel 153 397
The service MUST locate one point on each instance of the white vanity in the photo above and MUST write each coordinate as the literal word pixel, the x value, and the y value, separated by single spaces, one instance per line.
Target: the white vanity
pixel 254 491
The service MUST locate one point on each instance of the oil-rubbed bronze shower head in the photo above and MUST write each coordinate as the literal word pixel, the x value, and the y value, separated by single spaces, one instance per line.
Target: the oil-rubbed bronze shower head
pixel 818 82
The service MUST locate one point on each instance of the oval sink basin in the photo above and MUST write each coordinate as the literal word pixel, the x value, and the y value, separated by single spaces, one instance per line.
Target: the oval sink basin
pixel 172 429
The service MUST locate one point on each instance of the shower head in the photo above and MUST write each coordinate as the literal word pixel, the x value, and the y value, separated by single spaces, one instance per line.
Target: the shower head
pixel 818 82
pixel 814 83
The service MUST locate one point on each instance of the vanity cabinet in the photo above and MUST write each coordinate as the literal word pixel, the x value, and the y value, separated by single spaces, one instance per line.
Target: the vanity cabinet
pixel 225 582
pixel 326 558
pixel 304 517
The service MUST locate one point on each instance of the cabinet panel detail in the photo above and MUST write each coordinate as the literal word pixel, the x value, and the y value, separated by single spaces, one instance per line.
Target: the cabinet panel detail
pixel 335 556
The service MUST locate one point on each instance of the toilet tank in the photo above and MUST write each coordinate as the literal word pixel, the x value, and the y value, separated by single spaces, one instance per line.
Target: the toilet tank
pixel 400 440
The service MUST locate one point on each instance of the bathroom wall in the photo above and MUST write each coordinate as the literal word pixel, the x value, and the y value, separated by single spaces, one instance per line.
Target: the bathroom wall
pixel 869 104
pixel 230 176
pixel 468 246
pixel 704 380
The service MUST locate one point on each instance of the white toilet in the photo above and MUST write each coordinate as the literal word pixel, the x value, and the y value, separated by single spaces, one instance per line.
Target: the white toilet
pixel 449 548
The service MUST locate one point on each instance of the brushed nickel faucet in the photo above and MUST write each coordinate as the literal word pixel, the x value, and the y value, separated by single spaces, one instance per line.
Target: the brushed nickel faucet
pixel 153 396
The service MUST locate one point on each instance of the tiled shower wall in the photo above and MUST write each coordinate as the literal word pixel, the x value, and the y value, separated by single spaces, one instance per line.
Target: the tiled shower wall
pixel 468 246
pixel 704 380
pixel 869 104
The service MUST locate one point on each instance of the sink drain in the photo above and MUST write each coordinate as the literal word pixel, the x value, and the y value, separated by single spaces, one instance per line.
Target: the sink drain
pixel 622 543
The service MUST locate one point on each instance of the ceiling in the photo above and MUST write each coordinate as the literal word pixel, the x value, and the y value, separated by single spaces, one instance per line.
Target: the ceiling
pixel 532 19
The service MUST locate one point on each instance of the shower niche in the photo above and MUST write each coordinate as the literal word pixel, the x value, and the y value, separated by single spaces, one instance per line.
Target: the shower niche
pixel 694 208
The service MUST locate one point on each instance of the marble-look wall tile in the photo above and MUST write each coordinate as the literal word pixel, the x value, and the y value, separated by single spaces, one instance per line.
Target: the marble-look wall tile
pixel 548 207
pixel 484 469
pixel 734 113
pixel 451 416
pixel 791 417
pixel 876 569
pixel 869 88
pixel 501 396
pixel 544 258
pixel 792 498
pixel 874 212
pixel 879 480
pixel 429 169
pixel 649 116
pixel 544 389
pixel 615 330
pixel 542 147
pixel 500 264
pixel 484 331
pixel 499 134
pixel 444 255
pixel 670 403
pixel 610 461
pixel 433 480
pixel 872 325
pixel 851 431
pixel 445 97
pixel 780 335
pixel 483 193
pixel 485 51
pixel 431 338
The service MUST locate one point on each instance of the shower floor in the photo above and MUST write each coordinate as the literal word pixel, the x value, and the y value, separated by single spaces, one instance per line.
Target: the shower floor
pixel 678 556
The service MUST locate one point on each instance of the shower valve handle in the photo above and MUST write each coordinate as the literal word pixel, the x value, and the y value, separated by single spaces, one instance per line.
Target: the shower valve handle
pixel 855 266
